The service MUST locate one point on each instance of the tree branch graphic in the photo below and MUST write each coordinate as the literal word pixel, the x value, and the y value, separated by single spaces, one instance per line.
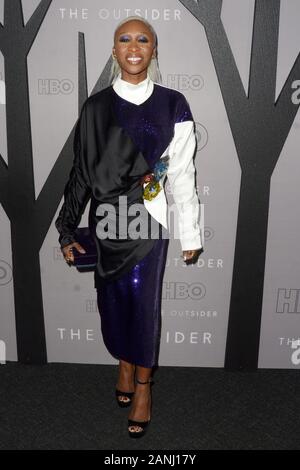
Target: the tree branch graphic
pixel 259 127
pixel 30 218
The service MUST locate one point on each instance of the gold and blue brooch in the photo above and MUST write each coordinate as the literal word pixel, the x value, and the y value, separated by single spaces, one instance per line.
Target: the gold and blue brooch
pixel 153 187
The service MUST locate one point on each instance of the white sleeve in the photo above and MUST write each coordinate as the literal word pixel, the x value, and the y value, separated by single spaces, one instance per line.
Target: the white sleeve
pixel 181 177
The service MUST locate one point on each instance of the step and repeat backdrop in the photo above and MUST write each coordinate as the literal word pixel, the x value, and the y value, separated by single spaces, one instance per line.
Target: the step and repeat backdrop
pixel 237 62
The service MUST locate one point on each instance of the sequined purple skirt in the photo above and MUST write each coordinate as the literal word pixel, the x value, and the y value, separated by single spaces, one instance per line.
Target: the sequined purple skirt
pixel 130 309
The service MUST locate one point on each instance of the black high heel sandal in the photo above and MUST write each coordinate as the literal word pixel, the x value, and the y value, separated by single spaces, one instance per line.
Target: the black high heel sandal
pixel 120 393
pixel 142 424
pixel 124 404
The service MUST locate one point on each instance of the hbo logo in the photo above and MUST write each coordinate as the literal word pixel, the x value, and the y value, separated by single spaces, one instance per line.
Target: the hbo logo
pixel 183 290
pixel 185 82
pixel 53 86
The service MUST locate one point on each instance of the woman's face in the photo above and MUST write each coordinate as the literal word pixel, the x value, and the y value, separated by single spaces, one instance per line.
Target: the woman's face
pixel 134 49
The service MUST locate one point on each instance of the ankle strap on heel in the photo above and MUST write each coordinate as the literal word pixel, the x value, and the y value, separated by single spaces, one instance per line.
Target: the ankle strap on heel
pixel 142 383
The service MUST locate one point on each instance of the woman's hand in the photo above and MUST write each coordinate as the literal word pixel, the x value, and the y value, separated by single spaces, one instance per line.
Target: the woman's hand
pixel 68 252
pixel 190 256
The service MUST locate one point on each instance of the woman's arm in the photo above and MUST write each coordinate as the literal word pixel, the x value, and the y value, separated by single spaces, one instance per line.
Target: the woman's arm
pixel 181 176
pixel 77 191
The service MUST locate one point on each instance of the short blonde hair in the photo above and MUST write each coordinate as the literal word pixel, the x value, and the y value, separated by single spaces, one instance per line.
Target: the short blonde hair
pixel 153 68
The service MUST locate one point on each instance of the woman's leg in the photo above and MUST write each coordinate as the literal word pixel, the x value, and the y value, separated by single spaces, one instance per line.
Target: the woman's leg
pixel 126 379
pixel 141 403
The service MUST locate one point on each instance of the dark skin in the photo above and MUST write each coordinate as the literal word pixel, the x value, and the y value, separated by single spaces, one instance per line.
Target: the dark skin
pixel 134 39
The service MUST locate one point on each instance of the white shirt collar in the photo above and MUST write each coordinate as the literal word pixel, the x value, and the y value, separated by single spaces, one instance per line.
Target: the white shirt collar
pixel 135 93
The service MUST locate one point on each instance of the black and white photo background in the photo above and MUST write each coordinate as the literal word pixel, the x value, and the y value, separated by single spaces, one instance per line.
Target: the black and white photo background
pixel 237 62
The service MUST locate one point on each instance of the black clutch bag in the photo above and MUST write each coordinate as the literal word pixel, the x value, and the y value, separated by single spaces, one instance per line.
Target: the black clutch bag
pixel 87 261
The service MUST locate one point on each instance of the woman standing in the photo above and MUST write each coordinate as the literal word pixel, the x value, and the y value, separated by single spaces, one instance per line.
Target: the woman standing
pixel 123 133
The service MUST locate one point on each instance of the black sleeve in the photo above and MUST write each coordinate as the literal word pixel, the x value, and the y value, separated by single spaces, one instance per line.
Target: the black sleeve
pixel 77 191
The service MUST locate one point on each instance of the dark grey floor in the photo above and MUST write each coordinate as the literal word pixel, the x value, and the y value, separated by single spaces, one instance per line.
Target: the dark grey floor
pixel 72 406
